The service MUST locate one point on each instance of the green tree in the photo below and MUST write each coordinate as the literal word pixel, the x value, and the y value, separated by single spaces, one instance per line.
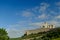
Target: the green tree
pixel 34 39
pixel 3 34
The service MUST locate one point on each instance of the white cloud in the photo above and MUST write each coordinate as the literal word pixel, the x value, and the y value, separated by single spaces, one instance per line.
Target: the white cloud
pixel 35 9
pixel 18 29
pixel 52 12
pixel 43 16
pixel 27 14
pixel 58 17
pixel 38 24
pixel 43 7
pixel 30 13
pixel 56 23
pixel 58 3
pixel 13 33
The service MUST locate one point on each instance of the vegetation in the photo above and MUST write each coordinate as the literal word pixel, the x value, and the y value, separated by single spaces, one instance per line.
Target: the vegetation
pixel 3 34
pixel 14 39
pixel 53 34
pixel 50 35
pixel 57 39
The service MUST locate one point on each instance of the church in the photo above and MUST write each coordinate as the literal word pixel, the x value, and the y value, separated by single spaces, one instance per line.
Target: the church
pixel 44 28
pixel 46 25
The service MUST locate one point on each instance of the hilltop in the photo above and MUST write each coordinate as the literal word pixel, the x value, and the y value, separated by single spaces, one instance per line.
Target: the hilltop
pixel 44 28
pixel 53 34
pixel 47 32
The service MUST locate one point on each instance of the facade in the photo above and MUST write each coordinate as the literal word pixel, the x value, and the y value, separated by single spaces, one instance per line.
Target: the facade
pixel 45 27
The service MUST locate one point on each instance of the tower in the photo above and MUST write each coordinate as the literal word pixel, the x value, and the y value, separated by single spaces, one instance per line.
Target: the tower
pixel 45 25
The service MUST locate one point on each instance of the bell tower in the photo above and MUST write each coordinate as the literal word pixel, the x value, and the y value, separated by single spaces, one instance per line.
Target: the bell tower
pixel 45 25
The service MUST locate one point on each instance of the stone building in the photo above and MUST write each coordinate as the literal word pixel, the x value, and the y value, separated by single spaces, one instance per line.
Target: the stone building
pixel 45 27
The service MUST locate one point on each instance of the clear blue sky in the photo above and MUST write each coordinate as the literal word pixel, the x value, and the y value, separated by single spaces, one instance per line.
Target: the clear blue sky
pixel 16 16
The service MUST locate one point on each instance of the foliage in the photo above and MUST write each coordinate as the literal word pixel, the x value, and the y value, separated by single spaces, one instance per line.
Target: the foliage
pixel 3 34
pixel 56 39
pixel 50 35
pixel 53 34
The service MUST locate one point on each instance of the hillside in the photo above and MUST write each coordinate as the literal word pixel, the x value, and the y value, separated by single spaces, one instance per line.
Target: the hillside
pixel 49 35
pixel 57 39
pixel 14 39
pixel 53 34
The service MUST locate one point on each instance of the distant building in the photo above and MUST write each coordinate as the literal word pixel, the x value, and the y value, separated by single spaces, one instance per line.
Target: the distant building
pixel 45 27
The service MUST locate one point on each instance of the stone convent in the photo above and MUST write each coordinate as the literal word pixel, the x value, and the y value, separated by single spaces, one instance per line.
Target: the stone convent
pixel 44 27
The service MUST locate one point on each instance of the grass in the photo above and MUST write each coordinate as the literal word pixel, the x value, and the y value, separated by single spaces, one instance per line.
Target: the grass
pixel 15 39
pixel 57 39
pixel 53 34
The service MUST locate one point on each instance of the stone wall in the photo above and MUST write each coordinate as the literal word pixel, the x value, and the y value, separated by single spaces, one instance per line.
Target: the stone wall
pixel 45 27
pixel 37 30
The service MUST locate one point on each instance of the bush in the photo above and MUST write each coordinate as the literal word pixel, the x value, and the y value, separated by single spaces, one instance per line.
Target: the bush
pixel 3 34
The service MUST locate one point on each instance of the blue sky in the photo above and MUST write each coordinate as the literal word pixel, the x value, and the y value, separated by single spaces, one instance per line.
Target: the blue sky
pixel 16 16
